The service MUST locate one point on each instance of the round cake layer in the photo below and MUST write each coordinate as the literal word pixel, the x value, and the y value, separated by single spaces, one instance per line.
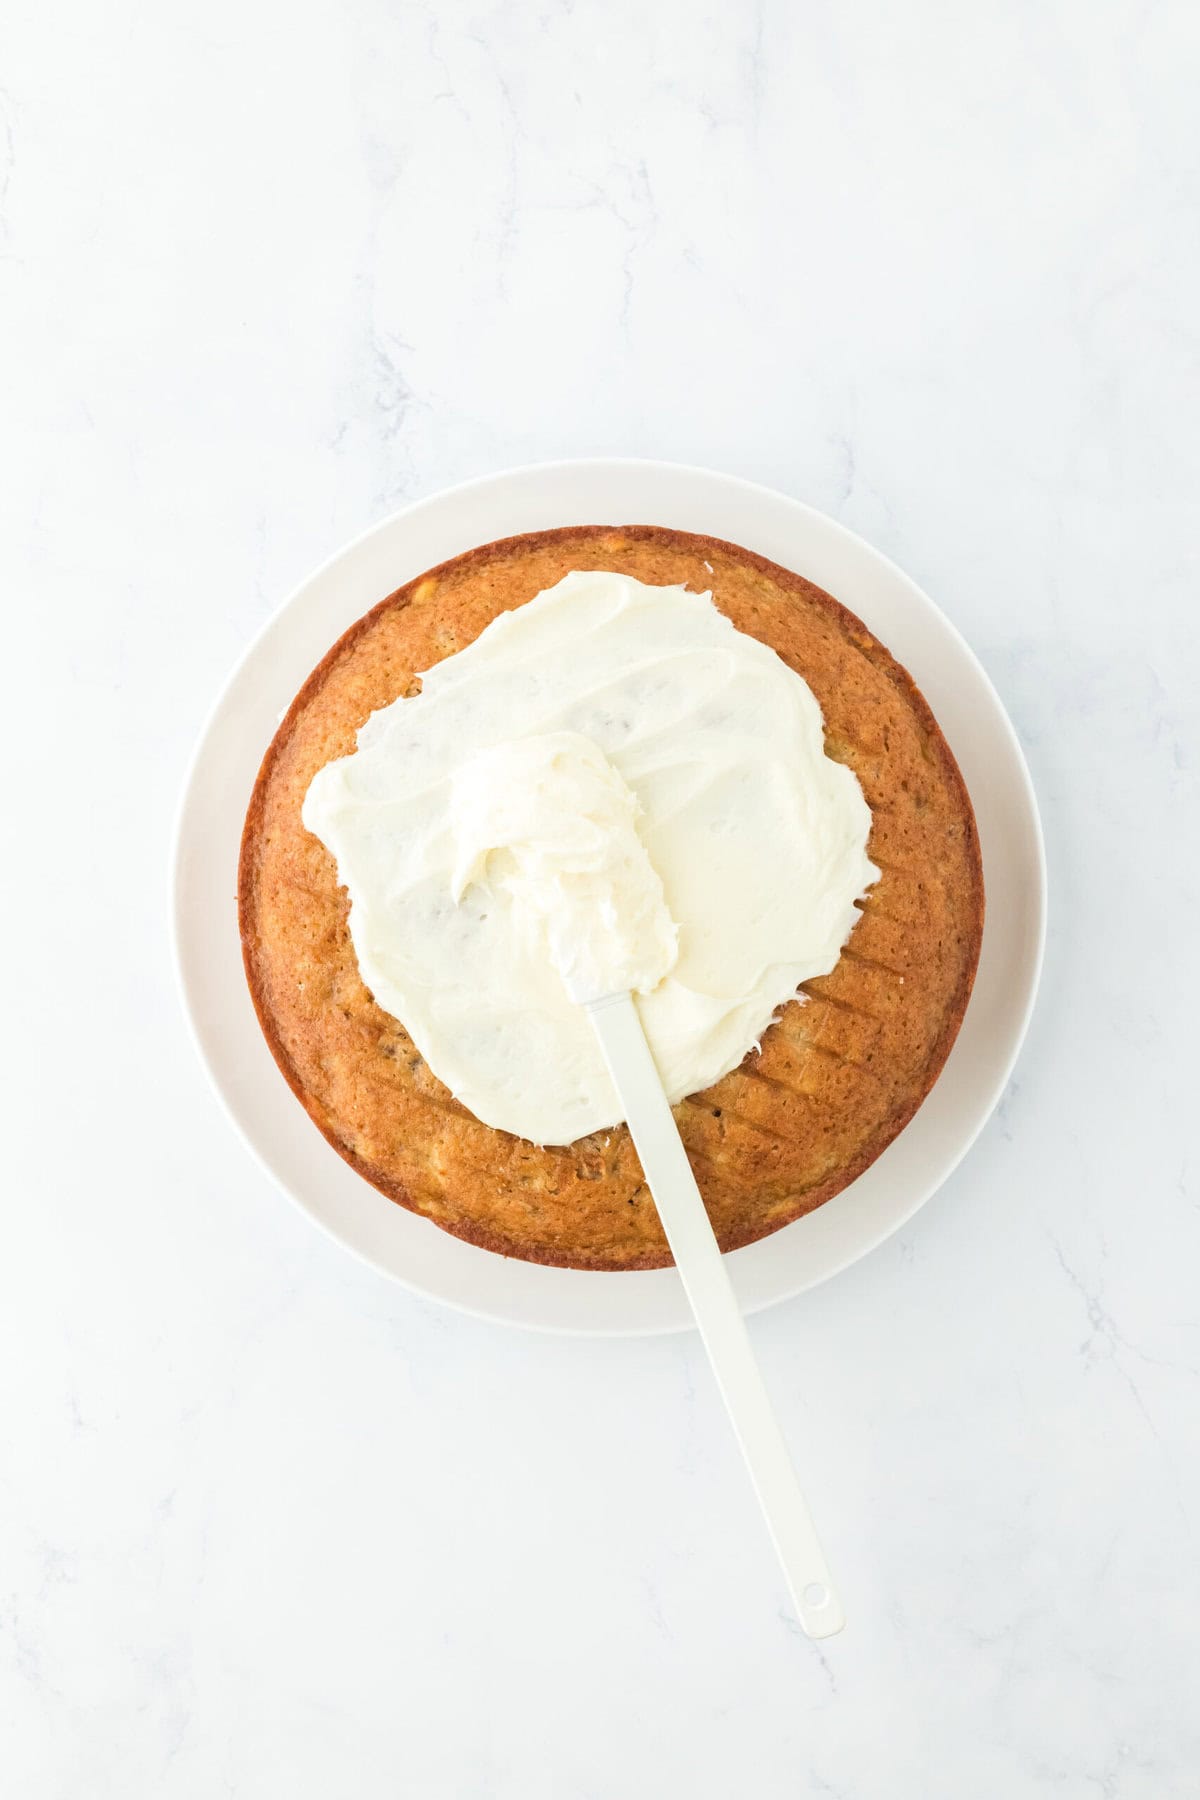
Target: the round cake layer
pixel 839 1074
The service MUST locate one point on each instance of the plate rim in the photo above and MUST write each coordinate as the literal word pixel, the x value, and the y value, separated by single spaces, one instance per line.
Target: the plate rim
pixel 596 466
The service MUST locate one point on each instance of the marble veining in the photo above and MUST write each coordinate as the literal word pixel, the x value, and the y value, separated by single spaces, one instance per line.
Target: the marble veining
pixel 269 1526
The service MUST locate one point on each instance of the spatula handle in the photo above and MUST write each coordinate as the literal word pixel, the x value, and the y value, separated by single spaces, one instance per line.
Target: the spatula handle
pixel 722 1328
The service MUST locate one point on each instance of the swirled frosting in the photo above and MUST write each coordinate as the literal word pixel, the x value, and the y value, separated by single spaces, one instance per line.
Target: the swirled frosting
pixel 547 825
pixel 610 782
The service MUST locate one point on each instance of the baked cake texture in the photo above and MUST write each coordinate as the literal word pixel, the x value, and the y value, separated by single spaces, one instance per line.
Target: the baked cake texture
pixel 839 1074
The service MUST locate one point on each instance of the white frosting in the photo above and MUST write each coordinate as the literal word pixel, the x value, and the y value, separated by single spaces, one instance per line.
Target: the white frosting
pixel 485 827
pixel 547 826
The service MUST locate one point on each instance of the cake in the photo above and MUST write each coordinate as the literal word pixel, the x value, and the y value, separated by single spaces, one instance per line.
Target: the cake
pixel 839 1073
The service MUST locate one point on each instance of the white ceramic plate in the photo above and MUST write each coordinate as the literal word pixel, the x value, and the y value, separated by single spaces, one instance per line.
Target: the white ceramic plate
pixel 609 492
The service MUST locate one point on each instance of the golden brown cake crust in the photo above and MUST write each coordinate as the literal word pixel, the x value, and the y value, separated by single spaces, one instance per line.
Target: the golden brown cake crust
pixel 839 1074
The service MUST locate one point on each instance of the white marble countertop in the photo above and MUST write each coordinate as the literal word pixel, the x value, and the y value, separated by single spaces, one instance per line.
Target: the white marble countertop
pixel 270 1526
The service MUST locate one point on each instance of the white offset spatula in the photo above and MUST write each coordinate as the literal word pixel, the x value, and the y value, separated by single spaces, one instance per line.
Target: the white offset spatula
pixel 709 1290
pixel 548 822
